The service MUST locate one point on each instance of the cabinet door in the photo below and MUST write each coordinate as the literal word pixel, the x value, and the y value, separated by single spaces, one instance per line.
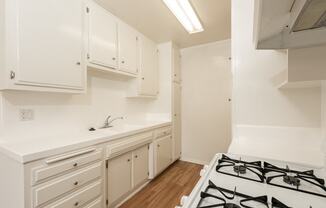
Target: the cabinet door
pixel 149 68
pixel 128 49
pixel 119 177
pixel 140 165
pixel 50 43
pixel 163 153
pixel 176 65
pixel 102 48
pixel 177 120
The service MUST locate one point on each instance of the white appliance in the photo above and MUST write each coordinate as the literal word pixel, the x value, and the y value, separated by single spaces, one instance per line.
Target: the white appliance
pixel 233 181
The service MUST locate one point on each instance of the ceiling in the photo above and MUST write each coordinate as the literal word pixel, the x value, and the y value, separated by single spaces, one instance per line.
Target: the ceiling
pixel 152 18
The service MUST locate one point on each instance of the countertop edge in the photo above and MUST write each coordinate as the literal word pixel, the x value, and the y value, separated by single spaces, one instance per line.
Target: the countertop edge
pixel 31 157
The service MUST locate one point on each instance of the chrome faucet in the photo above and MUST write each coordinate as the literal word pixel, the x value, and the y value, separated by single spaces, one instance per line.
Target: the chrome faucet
pixel 108 122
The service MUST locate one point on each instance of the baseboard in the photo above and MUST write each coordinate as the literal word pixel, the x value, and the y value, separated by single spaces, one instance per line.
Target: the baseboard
pixel 191 160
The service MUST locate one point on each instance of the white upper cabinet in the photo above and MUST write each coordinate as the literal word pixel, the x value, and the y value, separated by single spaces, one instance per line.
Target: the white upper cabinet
pixel 128 49
pixel 149 68
pixel 44 45
pixel 102 37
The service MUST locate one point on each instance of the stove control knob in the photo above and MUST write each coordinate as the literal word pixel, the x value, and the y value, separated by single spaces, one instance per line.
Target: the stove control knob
pixel 183 200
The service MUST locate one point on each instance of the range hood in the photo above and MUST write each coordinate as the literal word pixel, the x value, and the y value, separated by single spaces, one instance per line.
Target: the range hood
pixel 283 24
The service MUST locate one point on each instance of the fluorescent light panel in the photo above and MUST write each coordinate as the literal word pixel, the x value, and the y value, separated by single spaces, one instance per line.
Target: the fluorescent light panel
pixel 186 15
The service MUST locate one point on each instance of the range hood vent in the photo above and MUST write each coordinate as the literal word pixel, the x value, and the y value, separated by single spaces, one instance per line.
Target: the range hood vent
pixel 312 16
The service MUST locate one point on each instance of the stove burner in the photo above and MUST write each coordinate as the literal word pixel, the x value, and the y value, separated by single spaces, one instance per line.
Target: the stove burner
pixel 230 205
pixel 240 169
pixel 291 180
pixel 294 178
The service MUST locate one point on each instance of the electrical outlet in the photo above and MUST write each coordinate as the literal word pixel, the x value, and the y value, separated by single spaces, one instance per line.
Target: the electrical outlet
pixel 26 114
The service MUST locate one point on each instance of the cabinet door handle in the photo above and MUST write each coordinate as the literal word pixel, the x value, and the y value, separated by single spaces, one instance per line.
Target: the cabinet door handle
pixel 76 183
pixel 76 204
pixel 75 164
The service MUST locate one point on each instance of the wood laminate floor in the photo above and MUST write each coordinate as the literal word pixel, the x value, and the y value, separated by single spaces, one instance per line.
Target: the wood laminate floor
pixel 166 190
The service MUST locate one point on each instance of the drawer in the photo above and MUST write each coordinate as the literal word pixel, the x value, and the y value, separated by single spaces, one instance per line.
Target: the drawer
pixel 163 132
pixel 56 188
pixel 129 144
pixel 81 197
pixel 95 204
pixel 72 161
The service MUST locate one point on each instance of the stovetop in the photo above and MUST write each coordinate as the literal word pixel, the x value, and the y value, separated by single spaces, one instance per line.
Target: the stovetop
pixel 233 181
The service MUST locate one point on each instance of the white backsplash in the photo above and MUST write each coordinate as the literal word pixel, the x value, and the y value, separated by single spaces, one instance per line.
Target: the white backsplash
pixel 58 113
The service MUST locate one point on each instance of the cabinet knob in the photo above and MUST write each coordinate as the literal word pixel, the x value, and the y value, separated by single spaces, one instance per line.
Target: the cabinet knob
pixel 76 204
pixel 128 160
pixel 123 62
pixel 158 145
pixel 75 164
pixel 136 156
pixel 76 183
pixel 143 78
pixel 78 63
pixel 113 58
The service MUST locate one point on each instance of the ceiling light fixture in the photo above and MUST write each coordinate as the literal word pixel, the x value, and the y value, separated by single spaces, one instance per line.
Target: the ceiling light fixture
pixel 186 15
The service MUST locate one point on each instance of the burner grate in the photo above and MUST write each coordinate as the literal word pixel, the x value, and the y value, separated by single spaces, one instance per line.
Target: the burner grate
pixel 229 199
pixel 246 170
pixel 293 179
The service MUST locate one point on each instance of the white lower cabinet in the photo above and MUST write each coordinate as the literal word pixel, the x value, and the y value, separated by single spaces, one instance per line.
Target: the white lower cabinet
pixel 119 177
pixel 163 153
pixel 140 165
pixel 126 172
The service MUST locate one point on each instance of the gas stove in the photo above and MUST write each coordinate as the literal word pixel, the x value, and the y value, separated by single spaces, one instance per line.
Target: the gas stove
pixel 233 181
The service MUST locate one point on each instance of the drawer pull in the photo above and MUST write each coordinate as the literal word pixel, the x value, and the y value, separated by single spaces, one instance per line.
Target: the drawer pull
pixel 76 183
pixel 65 157
pixel 76 204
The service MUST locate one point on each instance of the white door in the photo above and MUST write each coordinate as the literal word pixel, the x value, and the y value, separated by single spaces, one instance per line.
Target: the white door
pixel 163 153
pixel 177 120
pixel 128 49
pixel 119 176
pixel 50 43
pixel 149 68
pixel 102 46
pixel 140 165
pixel 176 65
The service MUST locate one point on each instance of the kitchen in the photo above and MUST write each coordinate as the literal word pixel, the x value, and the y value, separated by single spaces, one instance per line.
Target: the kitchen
pixel 200 103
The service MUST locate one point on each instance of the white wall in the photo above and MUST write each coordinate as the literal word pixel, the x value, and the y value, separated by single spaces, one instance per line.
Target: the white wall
pixel 260 106
pixel 206 87
pixel 63 113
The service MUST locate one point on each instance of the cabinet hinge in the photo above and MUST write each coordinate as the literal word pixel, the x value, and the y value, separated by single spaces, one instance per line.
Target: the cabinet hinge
pixel 87 9
pixel 107 164
pixel 12 75
pixel 107 202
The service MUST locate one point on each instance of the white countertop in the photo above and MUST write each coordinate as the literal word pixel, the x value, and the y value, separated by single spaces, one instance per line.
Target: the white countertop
pixel 28 148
